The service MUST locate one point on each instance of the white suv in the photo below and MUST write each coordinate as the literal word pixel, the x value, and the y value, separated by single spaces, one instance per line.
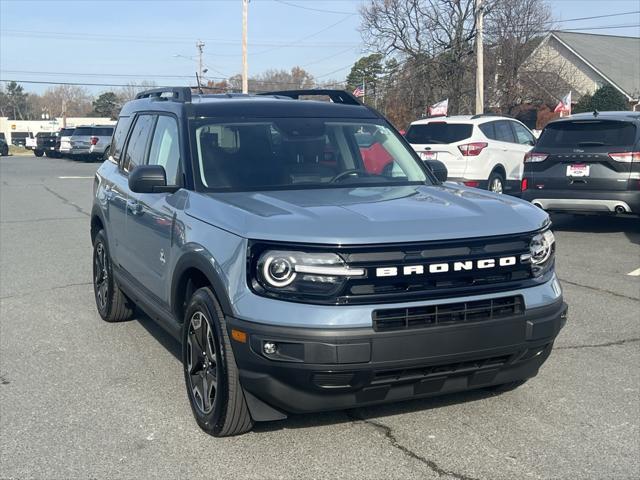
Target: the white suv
pixel 484 151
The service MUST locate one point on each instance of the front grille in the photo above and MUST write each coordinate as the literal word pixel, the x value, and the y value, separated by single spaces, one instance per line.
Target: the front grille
pixel 449 313
pixel 435 371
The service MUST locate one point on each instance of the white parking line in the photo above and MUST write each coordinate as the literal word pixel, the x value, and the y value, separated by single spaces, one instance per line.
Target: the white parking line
pixel 635 273
pixel 73 177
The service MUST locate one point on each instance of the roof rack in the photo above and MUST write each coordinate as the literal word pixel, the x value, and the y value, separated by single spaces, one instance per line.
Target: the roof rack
pixel 480 115
pixel 181 94
pixel 336 96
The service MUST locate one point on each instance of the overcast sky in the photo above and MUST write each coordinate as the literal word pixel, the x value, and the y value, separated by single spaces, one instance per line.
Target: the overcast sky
pixel 118 41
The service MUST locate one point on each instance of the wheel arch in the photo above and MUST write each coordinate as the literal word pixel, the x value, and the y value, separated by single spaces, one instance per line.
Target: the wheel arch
pixel 500 169
pixel 97 223
pixel 194 271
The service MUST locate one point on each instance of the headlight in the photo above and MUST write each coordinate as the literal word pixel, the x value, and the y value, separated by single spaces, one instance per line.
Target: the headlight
pixel 302 273
pixel 542 252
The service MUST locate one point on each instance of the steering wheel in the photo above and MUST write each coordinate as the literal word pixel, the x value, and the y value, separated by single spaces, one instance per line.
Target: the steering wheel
pixel 346 173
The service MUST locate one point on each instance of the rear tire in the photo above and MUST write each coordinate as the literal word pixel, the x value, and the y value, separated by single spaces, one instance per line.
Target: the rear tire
pixel 38 153
pixel 496 182
pixel 112 304
pixel 210 372
pixel 5 151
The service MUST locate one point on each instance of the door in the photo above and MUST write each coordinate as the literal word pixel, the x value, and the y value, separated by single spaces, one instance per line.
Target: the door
pixel 113 191
pixel 134 154
pixel 151 216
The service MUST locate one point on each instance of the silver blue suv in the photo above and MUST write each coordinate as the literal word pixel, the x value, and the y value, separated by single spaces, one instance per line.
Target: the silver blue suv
pixel 305 269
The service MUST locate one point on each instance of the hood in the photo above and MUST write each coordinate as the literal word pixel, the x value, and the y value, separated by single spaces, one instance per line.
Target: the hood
pixel 366 215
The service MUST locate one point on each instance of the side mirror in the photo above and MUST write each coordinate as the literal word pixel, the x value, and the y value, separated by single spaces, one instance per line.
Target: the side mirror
pixel 149 179
pixel 438 169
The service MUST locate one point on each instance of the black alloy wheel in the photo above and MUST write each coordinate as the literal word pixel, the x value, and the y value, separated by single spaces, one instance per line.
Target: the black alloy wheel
pixel 112 304
pixel 211 375
pixel 202 362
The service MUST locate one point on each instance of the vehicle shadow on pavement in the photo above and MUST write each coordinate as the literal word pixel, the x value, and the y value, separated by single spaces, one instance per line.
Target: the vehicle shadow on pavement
pixel 372 414
pixel 160 334
pixel 629 226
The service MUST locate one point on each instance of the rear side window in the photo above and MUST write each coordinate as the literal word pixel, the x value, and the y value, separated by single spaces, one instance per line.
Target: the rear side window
pixel 438 132
pixel 504 132
pixel 138 141
pixel 488 129
pixel 588 133
pixel 119 137
pixel 83 131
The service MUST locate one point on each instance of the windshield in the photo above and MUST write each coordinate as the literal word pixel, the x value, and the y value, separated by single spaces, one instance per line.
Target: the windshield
pixel 587 133
pixel 296 153
pixel 438 132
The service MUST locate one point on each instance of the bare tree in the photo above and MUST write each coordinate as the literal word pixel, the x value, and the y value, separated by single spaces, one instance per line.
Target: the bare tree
pixel 271 80
pixel 132 89
pixel 436 35
pixel 74 100
pixel 513 29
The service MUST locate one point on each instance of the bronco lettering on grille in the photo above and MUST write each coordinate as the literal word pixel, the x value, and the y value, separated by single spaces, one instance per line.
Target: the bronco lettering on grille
pixel 443 267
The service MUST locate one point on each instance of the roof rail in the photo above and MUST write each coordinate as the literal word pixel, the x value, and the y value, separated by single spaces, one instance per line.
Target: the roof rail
pixel 181 94
pixel 480 115
pixel 336 96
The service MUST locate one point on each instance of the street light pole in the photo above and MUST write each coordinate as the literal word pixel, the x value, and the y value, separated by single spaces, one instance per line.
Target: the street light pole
pixel 479 60
pixel 245 66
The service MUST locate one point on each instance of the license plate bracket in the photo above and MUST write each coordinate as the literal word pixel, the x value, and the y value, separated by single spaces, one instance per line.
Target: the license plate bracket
pixel 578 170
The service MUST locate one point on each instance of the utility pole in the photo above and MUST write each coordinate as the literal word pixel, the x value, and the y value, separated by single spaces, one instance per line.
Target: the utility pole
pixel 200 47
pixel 245 65
pixel 479 59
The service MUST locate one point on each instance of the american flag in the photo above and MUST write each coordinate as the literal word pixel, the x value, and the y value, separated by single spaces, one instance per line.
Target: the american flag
pixel 564 107
pixel 359 91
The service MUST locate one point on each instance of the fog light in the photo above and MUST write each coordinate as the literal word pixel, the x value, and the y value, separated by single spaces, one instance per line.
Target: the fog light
pixel 269 348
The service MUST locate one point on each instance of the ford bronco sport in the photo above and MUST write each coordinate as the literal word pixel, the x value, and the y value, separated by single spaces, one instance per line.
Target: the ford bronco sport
pixel 299 277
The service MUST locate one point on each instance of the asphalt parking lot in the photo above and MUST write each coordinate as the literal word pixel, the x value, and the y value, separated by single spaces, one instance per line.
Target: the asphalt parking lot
pixel 81 398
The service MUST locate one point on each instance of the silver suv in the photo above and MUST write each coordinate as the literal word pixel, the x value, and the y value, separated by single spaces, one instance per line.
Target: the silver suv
pixel 308 260
pixel 91 142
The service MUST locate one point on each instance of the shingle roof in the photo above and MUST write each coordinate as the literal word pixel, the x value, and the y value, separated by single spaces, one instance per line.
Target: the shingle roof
pixel 617 58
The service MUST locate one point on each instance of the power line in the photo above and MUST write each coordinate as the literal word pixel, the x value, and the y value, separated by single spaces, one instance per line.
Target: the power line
pixel 313 9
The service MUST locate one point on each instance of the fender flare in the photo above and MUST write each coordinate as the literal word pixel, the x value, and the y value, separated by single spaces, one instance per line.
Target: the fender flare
pixel 200 262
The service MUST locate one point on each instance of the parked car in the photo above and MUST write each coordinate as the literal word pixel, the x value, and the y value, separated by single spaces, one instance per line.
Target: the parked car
pixel 4 146
pixel 297 279
pixel 587 163
pixel 483 151
pixel 30 141
pixel 64 139
pixel 91 142
pixel 46 143
pixel 19 138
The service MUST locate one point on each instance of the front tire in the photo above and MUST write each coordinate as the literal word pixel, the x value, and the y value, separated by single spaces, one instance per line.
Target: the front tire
pixel 210 371
pixel 496 182
pixel 112 304
pixel 38 153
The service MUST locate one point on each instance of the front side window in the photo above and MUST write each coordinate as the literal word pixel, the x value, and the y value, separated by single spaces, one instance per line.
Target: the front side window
pixel 137 146
pixel 298 153
pixel 523 136
pixel 165 148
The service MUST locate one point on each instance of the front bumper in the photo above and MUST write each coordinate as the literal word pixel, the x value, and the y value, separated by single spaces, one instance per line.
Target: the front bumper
pixel 608 201
pixel 330 369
